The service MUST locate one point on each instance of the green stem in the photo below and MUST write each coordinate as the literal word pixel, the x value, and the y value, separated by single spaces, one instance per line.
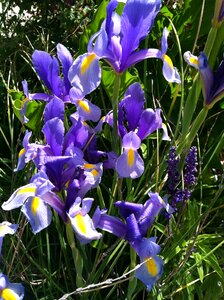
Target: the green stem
pixel 187 140
pixel 77 258
pixel 115 99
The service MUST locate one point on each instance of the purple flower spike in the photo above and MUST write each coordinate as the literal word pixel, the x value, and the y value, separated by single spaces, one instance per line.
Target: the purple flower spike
pixel 130 163
pixel 81 221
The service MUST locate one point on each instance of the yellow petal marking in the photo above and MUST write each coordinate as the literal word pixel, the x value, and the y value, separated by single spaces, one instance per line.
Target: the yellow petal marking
pixel 94 172
pixel 34 205
pixel 168 60
pixel 87 61
pixel 80 223
pixel 84 105
pixel 27 190
pixel 21 152
pixel 88 166
pixel 8 294
pixel 151 266
pixel 2 228
pixel 193 60
pixel 131 157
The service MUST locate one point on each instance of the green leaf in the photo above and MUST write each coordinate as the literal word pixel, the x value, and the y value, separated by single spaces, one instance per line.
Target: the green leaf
pixel 197 257
pixel 108 77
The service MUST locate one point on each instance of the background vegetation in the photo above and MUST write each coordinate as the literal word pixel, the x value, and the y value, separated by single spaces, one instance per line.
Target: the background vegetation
pixel 192 243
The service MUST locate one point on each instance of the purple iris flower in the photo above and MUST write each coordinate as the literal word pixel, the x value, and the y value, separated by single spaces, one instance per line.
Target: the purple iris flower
pixel 10 290
pixel 218 13
pixel 34 199
pixel 117 42
pixel 139 217
pixel 6 228
pixel 133 128
pixel 212 83
pixel 48 69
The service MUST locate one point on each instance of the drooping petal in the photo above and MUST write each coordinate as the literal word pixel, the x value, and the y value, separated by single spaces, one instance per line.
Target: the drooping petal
pixel 38 213
pixel 148 247
pixel 191 59
pixel 150 271
pixel 86 110
pixel 19 196
pixel 6 228
pixel 10 291
pixel 84 228
pixel 129 164
pixel 84 75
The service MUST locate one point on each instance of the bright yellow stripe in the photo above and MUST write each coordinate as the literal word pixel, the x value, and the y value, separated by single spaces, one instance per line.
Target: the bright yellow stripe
pixel 35 204
pixel 84 105
pixel 193 61
pixel 81 223
pixel 151 266
pixel 21 152
pixel 87 61
pixel 2 228
pixel 8 294
pixel 131 157
pixel 27 190
pixel 88 166
pixel 94 172
pixel 168 60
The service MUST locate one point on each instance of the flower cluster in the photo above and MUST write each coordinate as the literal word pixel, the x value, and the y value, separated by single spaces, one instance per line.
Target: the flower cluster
pixel 174 190
pixel 68 162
